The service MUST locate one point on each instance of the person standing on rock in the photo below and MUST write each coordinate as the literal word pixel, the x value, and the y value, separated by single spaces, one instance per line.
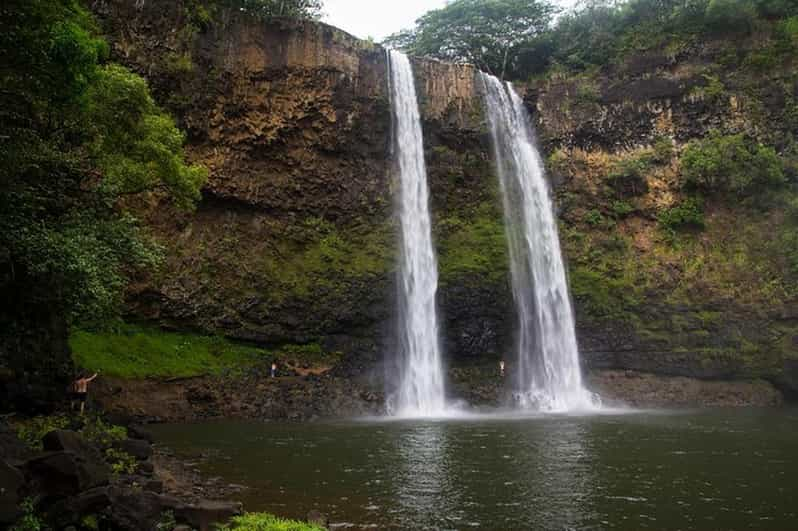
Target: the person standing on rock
pixel 80 390
pixel 274 369
pixel 501 368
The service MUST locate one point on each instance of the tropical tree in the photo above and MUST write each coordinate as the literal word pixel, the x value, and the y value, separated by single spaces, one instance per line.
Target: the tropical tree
pixel 488 33
pixel 81 141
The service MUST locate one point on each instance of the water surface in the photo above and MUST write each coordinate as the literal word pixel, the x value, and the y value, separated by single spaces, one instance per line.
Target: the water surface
pixel 690 470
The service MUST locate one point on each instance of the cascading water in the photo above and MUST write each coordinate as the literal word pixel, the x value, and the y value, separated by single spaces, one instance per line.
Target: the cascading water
pixel 548 373
pixel 421 381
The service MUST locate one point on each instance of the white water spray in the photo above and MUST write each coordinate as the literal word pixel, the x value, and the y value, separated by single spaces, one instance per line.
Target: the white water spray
pixel 421 380
pixel 548 373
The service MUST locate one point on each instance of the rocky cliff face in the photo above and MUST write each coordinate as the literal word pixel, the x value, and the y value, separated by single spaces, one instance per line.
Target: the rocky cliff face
pixel 293 242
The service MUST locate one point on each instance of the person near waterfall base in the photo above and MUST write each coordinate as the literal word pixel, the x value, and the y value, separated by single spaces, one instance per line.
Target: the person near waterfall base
pixel 79 391
pixel 501 368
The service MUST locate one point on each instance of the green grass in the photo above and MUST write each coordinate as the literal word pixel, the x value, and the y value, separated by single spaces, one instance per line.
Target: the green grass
pixel 266 522
pixel 141 352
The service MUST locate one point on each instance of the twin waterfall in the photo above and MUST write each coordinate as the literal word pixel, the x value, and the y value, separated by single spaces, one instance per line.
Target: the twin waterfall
pixel 421 384
pixel 547 374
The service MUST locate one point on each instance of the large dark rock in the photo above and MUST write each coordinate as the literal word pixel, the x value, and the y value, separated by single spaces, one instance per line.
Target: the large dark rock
pixel 204 514
pixel 70 511
pixel 11 481
pixel 134 510
pixel 138 448
pixel 61 474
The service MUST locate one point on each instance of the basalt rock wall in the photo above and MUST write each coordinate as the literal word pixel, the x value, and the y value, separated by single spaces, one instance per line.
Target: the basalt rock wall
pixel 294 240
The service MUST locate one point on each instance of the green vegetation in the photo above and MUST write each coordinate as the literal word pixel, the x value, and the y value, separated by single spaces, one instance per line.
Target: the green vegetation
pixel 731 164
pixel 30 519
pixel 130 351
pixel 141 352
pixel 266 522
pixel 121 462
pixel 83 142
pixel 473 244
pixel 689 214
pixel 321 256
pixel 488 33
pixel 268 9
pixel 31 431
pixel 516 39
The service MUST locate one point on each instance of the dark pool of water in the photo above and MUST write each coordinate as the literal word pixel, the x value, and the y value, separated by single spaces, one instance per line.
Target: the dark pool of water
pixel 704 470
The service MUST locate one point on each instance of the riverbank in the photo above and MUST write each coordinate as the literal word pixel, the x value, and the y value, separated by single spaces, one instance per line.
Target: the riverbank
pixel 256 395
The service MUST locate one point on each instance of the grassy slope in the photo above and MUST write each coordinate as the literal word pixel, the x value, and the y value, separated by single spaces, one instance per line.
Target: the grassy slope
pixel 141 352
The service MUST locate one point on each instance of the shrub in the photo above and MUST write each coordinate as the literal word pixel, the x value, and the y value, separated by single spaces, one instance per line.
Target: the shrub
pixel 33 430
pixel 731 164
pixel 729 15
pixel 621 209
pixel 628 176
pixel 266 522
pixel 663 149
pixel 121 462
pixel 30 520
pixel 689 214
pixel 101 433
pixel 593 217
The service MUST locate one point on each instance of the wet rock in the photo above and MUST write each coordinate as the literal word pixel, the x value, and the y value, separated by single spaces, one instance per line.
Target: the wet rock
pixel 134 510
pixel 73 509
pixel 204 514
pixel 11 481
pixel 139 432
pixel 139 449
pixel 146 468
pixel 68 441
pixel 153 485
pixel 62 474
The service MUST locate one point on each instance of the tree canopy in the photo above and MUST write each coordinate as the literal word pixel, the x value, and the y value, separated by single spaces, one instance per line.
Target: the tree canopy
pixel 519 38
pixel 80 137
pixel 487 33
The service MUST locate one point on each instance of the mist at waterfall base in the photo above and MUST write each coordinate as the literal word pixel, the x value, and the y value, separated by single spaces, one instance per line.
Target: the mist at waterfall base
pixel 421 391
pixel 548 376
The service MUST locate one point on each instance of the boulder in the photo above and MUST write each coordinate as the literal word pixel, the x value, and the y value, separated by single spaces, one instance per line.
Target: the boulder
pixel 146 468
pixel 153 485
pixel 11 481
pixel 204 514
pixel 67 441
pixel 62 474
pixel 134 510
pixel 138 448
pixel 139 432
pixel 71 510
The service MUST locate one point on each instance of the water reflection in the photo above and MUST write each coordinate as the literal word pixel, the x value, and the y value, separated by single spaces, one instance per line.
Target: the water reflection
pixel 422 482
pixel 689 471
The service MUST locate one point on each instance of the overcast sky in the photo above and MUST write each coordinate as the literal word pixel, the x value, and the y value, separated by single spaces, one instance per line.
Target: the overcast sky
pixel 380 18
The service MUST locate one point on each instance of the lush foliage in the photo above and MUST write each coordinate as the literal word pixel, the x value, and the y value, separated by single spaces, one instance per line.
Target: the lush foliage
pixel 30 520
pixel 685 215
pixel 488 33
pixel 266 522
pixel 732 164
pixel 136 352
pixel 83 141
pixel 31 431
pixel 516 37
pixel 280 8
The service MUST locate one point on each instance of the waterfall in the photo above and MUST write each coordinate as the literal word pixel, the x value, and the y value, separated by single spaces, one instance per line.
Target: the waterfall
pixel 547 376
pixel 421 380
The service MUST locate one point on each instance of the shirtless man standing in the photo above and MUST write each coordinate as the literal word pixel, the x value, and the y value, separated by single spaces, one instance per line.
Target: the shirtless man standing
pixel 80 388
